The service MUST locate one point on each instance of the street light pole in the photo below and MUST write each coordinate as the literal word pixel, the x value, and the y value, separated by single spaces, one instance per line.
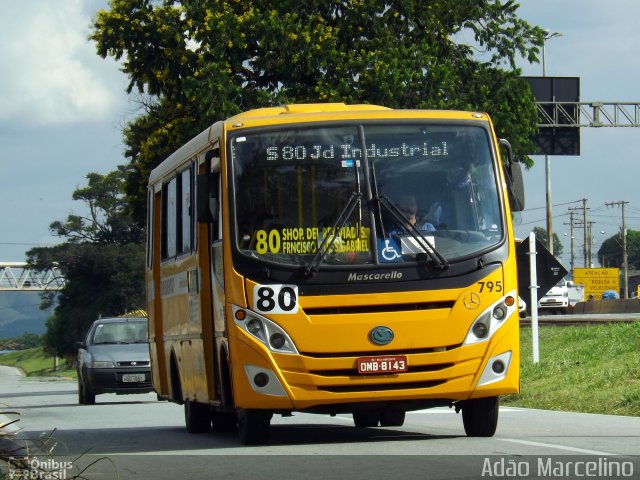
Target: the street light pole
pixel 625 259
pixel 547 159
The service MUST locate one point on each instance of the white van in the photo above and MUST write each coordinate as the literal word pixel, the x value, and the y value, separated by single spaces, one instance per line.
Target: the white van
pixel 557 299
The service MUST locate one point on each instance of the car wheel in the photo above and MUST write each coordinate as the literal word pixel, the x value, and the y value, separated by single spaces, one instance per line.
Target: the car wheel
pixel 80 392
pixel 480 416
pixel 197 417
pixel 254 426
pixel 366 418
pixel 85 396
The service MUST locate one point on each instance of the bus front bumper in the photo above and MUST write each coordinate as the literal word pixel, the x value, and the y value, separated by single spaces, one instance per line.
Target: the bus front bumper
pixel 332 383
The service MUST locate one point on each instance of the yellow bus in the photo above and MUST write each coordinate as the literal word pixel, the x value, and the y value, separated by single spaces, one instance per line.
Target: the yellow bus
pixel 335 259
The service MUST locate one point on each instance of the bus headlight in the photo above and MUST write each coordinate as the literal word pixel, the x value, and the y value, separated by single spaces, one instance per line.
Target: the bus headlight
pixel 480 328
pixel 277 341
pixel 491 319
pixel 499 313
pixel 254 326
pixel 268 332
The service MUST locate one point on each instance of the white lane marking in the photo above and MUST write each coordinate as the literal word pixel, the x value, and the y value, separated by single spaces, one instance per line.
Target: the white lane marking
pixel 559 447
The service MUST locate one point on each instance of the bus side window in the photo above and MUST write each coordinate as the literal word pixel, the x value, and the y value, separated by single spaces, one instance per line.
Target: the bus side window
pixel 208 204
pixel 214 206
pixel 168 240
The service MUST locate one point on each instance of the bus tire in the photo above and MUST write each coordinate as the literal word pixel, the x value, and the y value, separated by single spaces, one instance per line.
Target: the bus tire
pixel 197 417
pixel 480 416
pixel 392 418
pixel 366 418
pixel 224 421
pixel 254 426
pixel 176 385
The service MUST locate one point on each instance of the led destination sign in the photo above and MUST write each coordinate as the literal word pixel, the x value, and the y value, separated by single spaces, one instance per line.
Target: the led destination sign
pixel 347 152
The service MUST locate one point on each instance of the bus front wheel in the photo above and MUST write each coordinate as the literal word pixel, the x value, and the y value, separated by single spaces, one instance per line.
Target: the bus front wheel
pixel 253 426
pixel 392 418
pixel 224 421
pixel 366 418
pixel 480 416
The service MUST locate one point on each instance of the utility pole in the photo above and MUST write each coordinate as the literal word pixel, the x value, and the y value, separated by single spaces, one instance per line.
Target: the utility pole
pixel 623 234
pixel 587 238
pixel 573 257
pixel 591 240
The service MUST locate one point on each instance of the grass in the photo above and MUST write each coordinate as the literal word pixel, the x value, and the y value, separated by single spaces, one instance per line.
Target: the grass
pixel 34 362
pixel 586 368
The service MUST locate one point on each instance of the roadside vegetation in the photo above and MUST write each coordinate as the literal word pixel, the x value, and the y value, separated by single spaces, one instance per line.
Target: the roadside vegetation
pixel 593 369
pixel 26 340
pixel 34 362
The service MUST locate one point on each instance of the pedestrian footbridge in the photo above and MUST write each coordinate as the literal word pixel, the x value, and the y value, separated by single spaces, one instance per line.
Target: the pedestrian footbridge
pixel 18 276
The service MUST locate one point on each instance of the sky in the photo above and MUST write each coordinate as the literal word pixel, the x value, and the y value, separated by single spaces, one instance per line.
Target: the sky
pixel 62 110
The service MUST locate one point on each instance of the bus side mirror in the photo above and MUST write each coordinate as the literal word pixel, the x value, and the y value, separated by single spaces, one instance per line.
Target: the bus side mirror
pixel 207 199
pixel 515 180
pixel 516 189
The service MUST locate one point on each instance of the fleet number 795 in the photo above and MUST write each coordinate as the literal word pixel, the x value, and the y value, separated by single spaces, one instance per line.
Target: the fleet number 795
pixel 491 286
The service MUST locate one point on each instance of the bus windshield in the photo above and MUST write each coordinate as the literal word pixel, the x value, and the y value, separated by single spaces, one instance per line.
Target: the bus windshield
pixel 368 193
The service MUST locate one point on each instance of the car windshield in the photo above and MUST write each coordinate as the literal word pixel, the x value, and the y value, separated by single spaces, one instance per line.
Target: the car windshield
pixel 367 194
pixel 119 332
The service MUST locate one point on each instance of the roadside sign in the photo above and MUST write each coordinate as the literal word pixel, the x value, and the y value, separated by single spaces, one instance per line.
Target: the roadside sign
pixel 576 294
pixel 596 281
pixel 549 270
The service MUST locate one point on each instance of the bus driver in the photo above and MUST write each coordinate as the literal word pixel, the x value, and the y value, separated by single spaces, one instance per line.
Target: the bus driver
pixel 409 207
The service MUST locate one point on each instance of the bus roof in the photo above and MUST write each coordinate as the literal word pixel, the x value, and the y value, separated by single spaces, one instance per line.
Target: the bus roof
pixel 336 111
pixel 304 108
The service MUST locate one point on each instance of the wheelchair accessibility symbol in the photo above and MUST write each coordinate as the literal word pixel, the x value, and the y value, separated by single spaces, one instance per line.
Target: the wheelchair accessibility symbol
pixel 389 251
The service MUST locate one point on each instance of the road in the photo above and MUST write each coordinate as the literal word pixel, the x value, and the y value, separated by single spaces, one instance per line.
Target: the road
pixel 139 437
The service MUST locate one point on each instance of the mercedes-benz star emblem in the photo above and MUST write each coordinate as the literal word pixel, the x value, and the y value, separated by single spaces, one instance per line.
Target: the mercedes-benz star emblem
pixel 472 301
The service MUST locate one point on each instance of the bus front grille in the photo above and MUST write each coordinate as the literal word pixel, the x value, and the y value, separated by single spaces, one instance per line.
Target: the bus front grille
pixel 351 388
pixel 352 372
pixel 361 309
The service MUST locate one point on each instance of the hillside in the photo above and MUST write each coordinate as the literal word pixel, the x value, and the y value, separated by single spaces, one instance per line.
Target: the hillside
pixel 20 313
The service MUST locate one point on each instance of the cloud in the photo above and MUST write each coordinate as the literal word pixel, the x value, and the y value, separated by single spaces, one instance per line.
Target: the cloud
pixel 51 73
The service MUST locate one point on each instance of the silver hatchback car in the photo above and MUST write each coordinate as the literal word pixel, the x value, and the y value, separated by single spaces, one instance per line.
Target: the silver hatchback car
pixel 114 358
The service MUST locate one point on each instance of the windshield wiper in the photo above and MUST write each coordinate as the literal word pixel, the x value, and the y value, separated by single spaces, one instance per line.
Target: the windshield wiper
pixel 438 260
pixel 312 268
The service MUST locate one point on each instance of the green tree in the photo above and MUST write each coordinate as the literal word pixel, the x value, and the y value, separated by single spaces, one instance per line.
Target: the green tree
pixel 105 222
pixel 610 252
pixel 541 236
pixel 102 261
pixel 196 61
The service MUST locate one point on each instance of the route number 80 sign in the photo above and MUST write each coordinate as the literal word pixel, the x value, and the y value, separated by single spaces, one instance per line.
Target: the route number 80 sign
pixel 275 298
